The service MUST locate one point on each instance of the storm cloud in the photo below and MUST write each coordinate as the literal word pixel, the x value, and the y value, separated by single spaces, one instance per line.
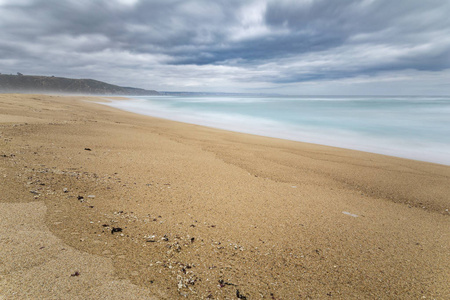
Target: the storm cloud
pixel 291 47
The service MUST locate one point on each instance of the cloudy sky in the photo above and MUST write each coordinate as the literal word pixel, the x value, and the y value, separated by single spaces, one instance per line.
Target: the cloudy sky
pixel 282 46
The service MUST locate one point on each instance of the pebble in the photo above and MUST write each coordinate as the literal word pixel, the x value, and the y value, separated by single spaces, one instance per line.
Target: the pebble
pixel 349 214
pixel 116 229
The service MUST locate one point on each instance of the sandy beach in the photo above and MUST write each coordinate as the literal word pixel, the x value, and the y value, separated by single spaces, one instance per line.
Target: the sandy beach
pixel 104 204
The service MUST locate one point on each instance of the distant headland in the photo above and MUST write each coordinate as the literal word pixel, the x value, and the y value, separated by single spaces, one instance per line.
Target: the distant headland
pixel 50 84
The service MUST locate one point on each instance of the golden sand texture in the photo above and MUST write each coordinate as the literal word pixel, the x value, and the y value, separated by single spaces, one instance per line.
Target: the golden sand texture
pixel 171 210
pixel 40 266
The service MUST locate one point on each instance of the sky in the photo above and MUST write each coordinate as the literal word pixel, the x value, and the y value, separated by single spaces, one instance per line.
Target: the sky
pixel 297 47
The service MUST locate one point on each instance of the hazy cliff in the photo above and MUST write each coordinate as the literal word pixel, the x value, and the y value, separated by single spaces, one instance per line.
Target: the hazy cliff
pixel 43 84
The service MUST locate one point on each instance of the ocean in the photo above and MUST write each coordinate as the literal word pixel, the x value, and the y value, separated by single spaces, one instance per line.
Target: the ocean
pixel 409 127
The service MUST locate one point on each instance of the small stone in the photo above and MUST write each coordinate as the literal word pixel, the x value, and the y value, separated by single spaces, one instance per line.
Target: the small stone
pixel 349 214
pixel 75 274
pixel 180 285
pixel 65 190
pixel 116 229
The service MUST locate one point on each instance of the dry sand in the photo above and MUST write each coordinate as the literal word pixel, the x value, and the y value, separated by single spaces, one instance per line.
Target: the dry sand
pixel 206 213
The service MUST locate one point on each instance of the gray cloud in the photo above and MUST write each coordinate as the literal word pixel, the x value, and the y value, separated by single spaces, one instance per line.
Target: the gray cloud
pixel 167 44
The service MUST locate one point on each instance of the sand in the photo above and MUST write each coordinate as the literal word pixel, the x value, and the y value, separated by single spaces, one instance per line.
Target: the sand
pixel 104 204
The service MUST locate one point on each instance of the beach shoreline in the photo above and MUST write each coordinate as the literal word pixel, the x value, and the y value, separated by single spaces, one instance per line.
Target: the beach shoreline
pixel 185 210
pixel 402 127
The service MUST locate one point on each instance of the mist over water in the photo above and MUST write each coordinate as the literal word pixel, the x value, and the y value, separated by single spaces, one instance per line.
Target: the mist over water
pixel 410 127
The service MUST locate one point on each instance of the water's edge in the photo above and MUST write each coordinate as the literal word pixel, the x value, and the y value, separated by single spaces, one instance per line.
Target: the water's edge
pixel 413 128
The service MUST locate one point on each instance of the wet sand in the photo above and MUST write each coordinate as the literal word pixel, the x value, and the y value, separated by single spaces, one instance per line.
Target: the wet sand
pixel 145 207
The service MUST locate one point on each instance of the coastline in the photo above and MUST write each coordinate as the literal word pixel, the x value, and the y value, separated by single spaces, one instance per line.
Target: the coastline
pixel 210 212
pixel 364 124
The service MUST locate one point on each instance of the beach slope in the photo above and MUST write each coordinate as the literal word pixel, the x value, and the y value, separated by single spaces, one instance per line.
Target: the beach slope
pixel 112 204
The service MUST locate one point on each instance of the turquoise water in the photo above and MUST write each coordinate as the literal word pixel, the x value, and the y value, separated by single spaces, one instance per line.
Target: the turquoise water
pixel 409 127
